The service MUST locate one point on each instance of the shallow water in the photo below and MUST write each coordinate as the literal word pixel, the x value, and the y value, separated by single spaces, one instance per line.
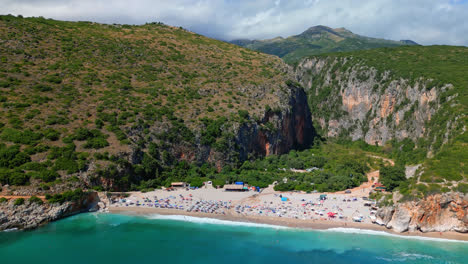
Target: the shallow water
pixel 112 238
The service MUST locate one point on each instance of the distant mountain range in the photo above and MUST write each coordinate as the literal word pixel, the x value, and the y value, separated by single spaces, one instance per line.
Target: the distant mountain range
pixel 317 40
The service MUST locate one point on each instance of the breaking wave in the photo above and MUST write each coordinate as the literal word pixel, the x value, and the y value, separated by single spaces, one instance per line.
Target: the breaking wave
pixel 205 220
pixel 11 229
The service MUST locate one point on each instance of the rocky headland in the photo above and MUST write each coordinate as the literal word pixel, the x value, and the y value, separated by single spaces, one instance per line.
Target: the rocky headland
pixel 436 213
pixel 31 215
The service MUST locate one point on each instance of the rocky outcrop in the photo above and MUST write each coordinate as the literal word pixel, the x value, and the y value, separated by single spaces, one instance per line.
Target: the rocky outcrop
pixel 279 132
pixel 31 215
pixel 436 213
pixel 355 100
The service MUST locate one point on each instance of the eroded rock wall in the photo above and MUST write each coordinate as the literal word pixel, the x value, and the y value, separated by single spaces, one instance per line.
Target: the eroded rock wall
pixel 358 101
pixel 436 213
pixel 279 132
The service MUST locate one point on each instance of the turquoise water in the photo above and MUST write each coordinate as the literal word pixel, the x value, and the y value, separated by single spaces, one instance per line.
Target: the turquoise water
pixel 112 238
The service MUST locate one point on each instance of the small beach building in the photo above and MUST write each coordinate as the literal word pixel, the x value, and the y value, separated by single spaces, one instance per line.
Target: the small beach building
pixel 234 188
pixel 179 184
pixel 380 187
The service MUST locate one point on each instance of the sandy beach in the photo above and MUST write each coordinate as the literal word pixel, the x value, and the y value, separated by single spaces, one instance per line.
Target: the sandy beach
pixel 301 210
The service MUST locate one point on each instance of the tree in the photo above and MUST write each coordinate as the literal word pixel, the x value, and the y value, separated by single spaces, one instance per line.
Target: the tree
pixel 392 176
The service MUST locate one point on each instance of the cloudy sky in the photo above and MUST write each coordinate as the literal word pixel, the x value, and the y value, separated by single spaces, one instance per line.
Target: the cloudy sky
pixel 424 21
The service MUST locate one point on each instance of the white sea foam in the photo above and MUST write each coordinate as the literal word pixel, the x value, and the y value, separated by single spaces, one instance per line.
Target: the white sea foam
pixel 205 220
pixel 402 257
pixel 382 233
pixel 415 256
pixel 10 230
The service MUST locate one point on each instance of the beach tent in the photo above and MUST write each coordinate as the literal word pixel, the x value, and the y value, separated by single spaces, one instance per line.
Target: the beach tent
pixel 330 214
pixel 284 199
pixel 323 196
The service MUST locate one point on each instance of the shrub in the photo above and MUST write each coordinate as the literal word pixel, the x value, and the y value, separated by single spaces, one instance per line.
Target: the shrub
pixel 51 134
pixel 35 199
pixel 56 120
pixel 27 137
pixel 42 88
pixel 3 200
pixel 48 175
pixel 462 187
pixel 19 201
pixel 15 178
pixel 66 164
pixel 68 196
pixel 96 143
pixel 392 176
pixel 53 78
pixel 94 138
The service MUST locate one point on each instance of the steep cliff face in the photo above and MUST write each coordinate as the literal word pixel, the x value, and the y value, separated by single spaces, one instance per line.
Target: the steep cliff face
pixel 279 132
pixel 436 213
pixel 287 127
pixel 360 102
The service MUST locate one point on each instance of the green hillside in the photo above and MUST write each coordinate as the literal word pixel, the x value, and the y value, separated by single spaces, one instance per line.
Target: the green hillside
pixel 317 40
pixel 116 104
pixel 120 107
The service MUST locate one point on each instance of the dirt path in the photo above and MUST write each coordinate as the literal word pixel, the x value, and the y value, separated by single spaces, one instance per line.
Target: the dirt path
pixel 365 187
pixel 382 158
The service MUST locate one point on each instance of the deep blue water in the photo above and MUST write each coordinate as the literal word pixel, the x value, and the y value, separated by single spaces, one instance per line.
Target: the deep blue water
pixel 112 238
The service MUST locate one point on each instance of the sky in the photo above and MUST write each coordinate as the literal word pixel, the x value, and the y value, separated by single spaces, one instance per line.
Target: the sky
pixel 424 21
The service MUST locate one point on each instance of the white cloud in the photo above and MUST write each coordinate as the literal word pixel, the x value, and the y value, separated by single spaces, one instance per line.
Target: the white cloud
pixel 424 21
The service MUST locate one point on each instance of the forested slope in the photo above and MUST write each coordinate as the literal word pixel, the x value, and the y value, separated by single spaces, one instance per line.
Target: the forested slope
pixel 112 106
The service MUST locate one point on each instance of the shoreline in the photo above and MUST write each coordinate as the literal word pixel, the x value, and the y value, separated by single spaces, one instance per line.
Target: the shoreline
pixel 287 222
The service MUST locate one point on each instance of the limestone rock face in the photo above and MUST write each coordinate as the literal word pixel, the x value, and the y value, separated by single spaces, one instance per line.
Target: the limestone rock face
pixel 358 101
pixel 400 220
pixel 385 214
pixel 31 215
pixel 436 213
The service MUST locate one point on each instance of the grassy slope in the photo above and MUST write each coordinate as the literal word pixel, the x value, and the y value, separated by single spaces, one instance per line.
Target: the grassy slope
pixel 119 80
pixel 143 62
pixel 444 65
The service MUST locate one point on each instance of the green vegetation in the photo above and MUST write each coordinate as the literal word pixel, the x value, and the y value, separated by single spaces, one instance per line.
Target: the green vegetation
pixel 18 202
pixel 141 106
pixel 383 199
pixel 444 135
pixel 335 168
pixel 317 40
pixel 392 176
pixel 68 196
pixel 35 199
pixel 81 94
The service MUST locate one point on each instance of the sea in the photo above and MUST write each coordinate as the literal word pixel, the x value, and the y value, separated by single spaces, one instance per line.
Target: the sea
pixel 114 238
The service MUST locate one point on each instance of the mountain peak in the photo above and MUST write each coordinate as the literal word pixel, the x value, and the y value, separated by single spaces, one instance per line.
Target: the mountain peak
pixel 317 40
pixel 408 42
pixel 318 32
pixel 317 29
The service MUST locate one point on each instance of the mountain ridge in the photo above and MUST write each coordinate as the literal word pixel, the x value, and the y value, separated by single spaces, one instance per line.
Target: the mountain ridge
pixel 317 40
